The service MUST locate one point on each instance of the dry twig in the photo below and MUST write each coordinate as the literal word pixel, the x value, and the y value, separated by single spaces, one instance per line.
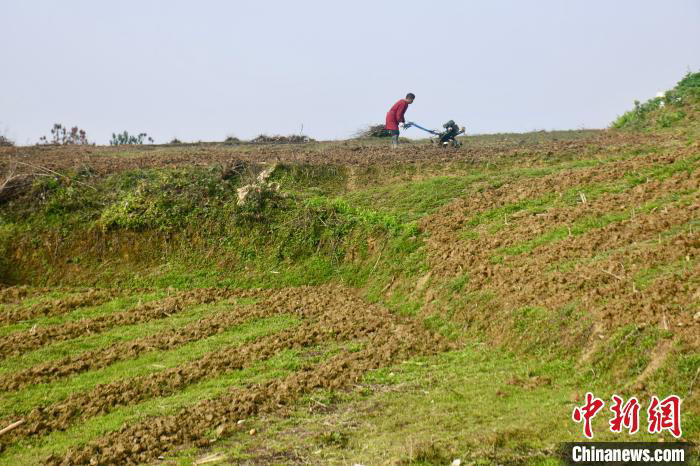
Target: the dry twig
pixel 56 173
pixel 12 426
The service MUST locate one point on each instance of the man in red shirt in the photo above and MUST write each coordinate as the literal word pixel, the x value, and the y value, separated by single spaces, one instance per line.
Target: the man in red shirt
pixel 395 116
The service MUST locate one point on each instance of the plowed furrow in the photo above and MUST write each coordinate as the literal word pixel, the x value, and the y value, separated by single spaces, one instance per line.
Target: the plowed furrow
pixel 109 161
pixel 145 441
pixel 21 342
pixel 57 307
pixel 103 357
pixel 532 226
pixel 605 288
pixel 331 325
pixel 15 294
pixel 460 212
pixel 475 257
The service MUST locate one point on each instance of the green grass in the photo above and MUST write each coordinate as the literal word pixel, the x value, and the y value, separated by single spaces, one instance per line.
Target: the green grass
pixel 358 226
pixel 40 299
pixel 17 403
pixel 495 219
pixel 410 201
pixel 36 450
pixel 87 312
pixel 626 354
pixel 667 111
pixel 475 404
pixel 662 239
pixel 113 336
pixel 588 223
pixel 646 277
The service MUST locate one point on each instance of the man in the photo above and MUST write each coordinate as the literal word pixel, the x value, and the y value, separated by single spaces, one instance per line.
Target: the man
pixel 395 116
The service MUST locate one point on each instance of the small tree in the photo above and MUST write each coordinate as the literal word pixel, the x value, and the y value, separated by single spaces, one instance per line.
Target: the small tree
pixel 61 136
pixel 5 142
pixel 119 139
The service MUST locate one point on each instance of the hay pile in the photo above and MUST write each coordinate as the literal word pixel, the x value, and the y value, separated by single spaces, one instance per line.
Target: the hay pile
pixel 374 131
pixel 291 139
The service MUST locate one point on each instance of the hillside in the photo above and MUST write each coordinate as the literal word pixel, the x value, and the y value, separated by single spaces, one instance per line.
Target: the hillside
pixel 678 107
pixel 363 306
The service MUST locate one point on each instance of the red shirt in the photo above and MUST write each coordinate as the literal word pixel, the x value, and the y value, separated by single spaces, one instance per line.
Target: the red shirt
pixel 395 115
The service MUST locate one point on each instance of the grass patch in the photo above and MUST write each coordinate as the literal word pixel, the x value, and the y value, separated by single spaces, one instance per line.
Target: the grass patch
pixel 495 219
pixel 663 239
pixel 88 312
pixel 148 363
pixel 586 224
pixel 470 404
pixel 113 336
pixel 626 353
pixel 36 450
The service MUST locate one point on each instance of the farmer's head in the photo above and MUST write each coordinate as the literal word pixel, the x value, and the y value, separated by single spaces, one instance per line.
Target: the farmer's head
pixel 409 97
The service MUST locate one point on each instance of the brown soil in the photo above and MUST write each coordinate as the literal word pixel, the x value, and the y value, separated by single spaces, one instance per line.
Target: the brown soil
pixel 602 286
pixel 595 270
pixel 328 313
pixel 107 160
pixel 91 297
pixel 21 342
pixel 103 357
pixel 15 294
pixel 455 215
pixel 387 339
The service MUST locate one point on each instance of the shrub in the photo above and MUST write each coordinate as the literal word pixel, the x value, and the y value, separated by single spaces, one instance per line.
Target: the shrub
pixel 666 110
pixel 163 199
pixel 125 138
pixel 668 119
pixel 5 142
pixel 61 136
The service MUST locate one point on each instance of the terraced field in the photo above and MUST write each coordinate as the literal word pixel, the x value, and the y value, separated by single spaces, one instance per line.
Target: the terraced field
pixel 295 340
pixel 388 307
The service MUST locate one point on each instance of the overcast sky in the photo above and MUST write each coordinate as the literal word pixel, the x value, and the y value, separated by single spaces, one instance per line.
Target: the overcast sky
pixel 208 69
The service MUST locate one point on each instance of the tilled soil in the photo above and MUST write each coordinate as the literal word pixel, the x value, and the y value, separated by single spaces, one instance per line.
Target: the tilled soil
pixel 129 391
pixel 20 342
pixel 604 260
pixel 329 314
pixel 595 269
pixel 15 294
pixel 101 161
pixel 459 212
pixel 450 257
pixel 387 339
pixel 91 297
pixel 103 357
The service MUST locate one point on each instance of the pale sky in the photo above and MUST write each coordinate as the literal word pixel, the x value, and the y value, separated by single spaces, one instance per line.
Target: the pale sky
pixel 207 69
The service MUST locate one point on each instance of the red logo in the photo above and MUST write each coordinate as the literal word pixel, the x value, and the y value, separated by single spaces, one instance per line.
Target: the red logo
pixel 665 415
pixel 661 415
pixel 587 412
pixel 626 415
